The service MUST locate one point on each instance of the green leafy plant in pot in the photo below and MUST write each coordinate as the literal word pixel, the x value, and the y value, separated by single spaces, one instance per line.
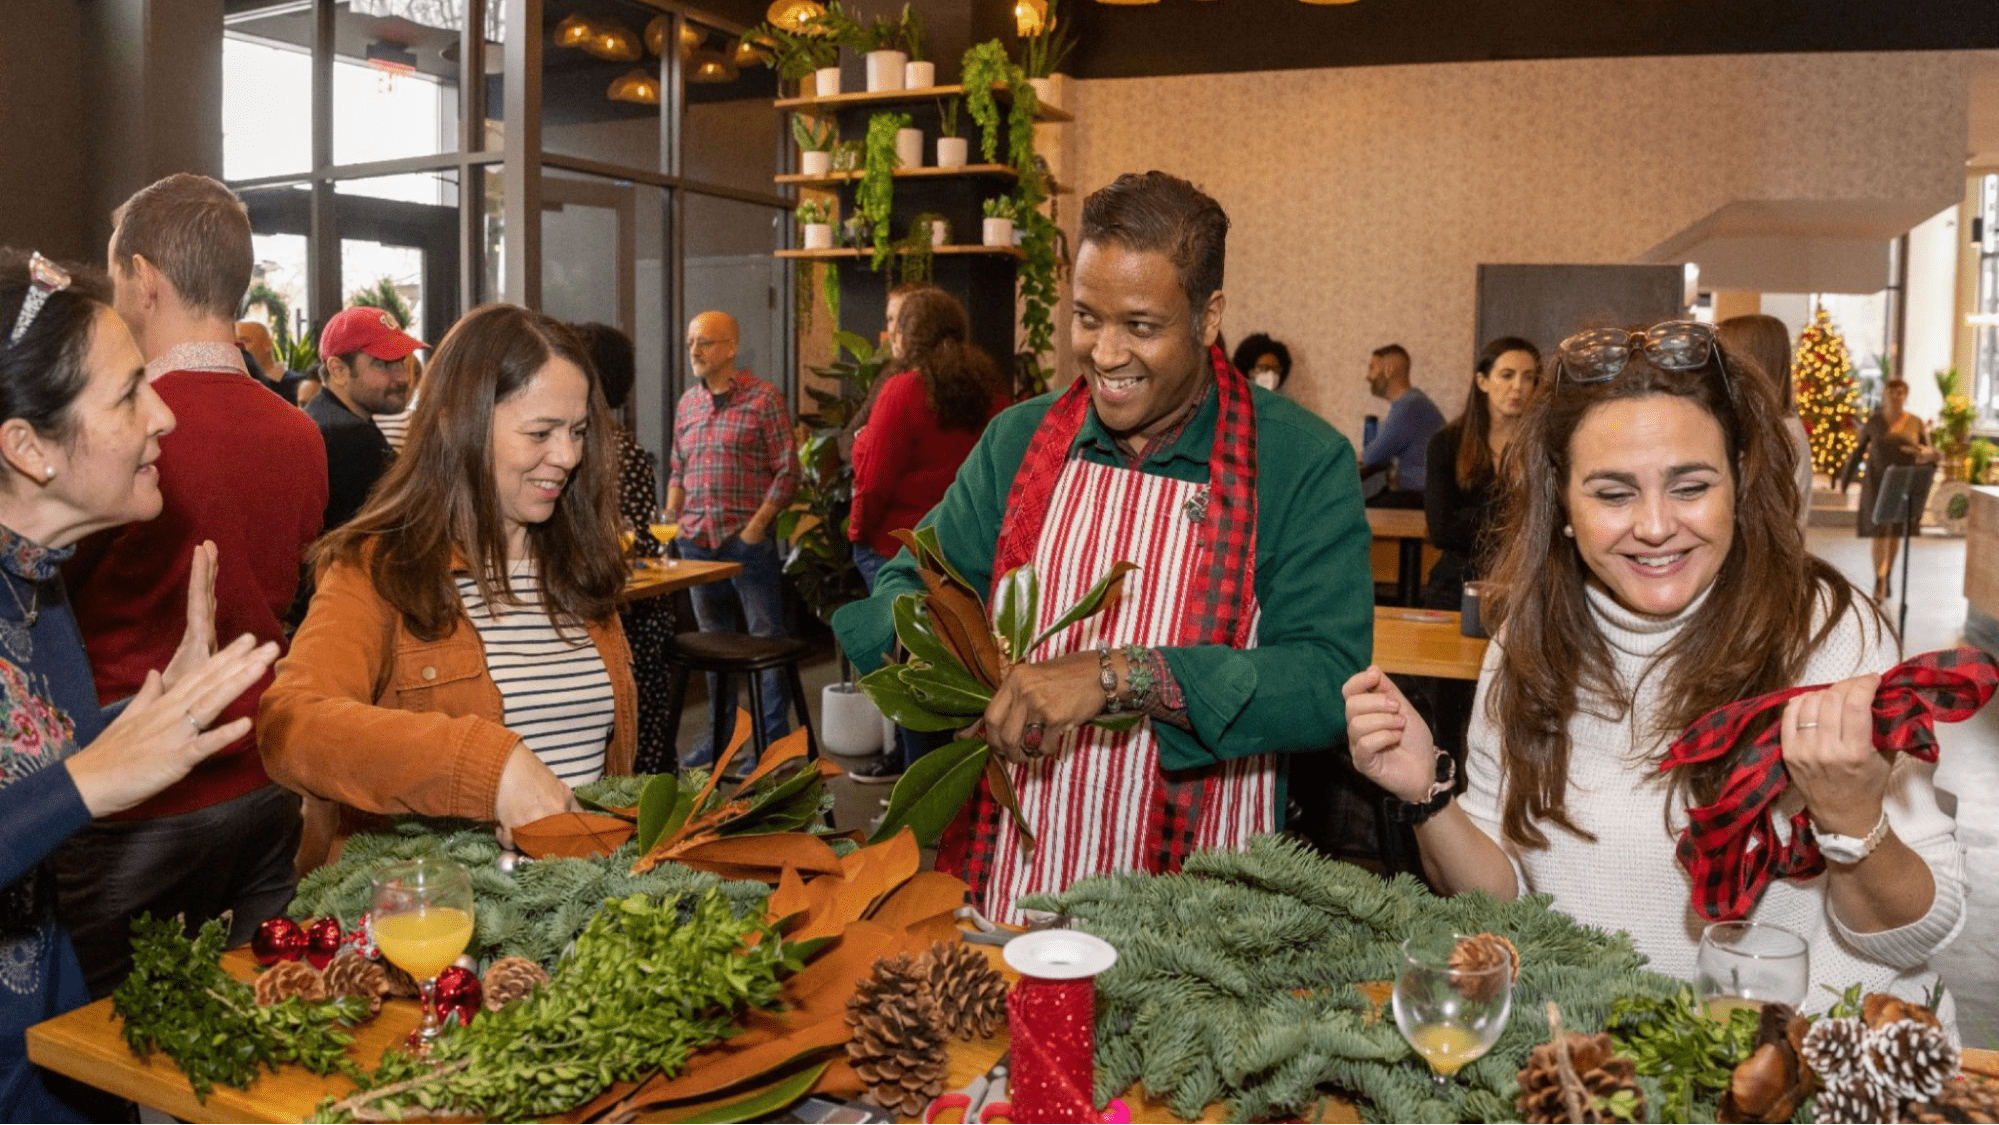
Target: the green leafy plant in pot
pixel 821 559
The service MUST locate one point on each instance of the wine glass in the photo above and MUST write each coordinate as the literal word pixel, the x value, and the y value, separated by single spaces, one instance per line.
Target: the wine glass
pixel 628 541
pixel 1749 964
pixel 1450 1016
pixel 422 921
pixel 665 529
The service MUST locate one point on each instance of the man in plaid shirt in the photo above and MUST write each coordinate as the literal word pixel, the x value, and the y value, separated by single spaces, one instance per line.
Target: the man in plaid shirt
pixel 734 470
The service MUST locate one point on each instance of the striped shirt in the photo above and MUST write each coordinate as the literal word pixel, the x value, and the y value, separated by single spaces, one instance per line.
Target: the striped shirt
pixel 396 427
pixel 556 692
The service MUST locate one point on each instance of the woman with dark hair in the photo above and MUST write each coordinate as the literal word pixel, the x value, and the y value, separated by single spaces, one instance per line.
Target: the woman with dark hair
pixel 924 424
pixel 1891 436
pixel 470 608
pixel 1461 496
pixel 1266 361
pixel 80 429
pixel 1651 570
pixel 1765 342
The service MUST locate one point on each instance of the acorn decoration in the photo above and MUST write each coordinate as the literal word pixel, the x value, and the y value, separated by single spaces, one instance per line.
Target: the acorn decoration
pixel 322 941
pixel 970 993
pixel 458 994
pixel 1482 953
pixel 1773 1081
pixel 510 979
pixel 278 939
pixel 351 974
pixel 1895 1052
pixel 899 1036
pixel 287 979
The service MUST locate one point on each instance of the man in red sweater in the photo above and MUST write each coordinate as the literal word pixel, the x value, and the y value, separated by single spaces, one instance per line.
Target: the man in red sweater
pixel 242 468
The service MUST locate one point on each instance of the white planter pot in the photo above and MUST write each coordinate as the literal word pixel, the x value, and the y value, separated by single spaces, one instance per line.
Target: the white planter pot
pixel 940 232
pixel 850 725
pixel 909 147
pixel 997 232
pixel 826 81
pixel 815 162
pixel 818 236
pixel 1044 90
pixel 885 70
pixel 919 75
pixel 952 152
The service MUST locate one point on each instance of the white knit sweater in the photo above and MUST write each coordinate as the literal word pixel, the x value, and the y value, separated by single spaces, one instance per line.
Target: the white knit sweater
pixel 1628 878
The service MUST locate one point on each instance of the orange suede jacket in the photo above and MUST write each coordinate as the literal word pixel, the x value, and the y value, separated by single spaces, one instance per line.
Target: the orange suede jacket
pixel 367 715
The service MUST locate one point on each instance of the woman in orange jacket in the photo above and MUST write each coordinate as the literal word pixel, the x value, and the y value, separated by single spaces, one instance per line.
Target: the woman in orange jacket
pixel 462 654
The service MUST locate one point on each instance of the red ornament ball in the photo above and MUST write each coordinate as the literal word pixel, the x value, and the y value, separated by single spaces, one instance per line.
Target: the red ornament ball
pixel 278 939
pixel 323 939
pixel 458 993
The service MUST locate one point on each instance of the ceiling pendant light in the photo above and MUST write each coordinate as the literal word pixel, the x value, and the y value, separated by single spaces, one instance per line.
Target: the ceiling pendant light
pixel 614 42
pixel 711 67
pixel 574 31
pixel 1029 17
pixel 791 15
pixel 635 86
pixel 748 53
pixel 655 35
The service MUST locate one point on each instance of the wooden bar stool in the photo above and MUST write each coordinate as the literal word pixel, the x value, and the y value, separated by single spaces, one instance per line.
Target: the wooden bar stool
pixel 738 654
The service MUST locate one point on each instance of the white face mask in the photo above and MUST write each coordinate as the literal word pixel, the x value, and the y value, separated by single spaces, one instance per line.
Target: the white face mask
pixel 1265 378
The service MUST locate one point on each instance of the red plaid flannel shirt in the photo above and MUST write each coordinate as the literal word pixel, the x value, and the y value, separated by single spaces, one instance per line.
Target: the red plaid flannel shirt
pixel 732 460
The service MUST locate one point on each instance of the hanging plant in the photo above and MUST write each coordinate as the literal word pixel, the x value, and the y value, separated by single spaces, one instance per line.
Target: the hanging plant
pixel 986 67
pixel 875 196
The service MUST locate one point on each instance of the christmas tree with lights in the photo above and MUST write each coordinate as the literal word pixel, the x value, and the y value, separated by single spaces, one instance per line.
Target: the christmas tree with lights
pixel 1828 393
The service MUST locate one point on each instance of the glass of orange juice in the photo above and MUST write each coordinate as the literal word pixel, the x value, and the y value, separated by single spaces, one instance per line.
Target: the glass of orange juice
pixel 422 921
pixel 1450 1015
pixel 665 529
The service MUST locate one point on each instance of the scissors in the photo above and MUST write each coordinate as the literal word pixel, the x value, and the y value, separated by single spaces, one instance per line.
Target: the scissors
pixel 974 1100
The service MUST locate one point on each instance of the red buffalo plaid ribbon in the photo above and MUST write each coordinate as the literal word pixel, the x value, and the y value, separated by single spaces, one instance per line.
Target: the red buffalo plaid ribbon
pixel 1216 610
pixel 1730 848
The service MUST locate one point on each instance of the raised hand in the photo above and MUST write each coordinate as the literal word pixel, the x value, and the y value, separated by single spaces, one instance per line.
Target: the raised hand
pixel 1390 743
pixel 1828 740
pixel 197 641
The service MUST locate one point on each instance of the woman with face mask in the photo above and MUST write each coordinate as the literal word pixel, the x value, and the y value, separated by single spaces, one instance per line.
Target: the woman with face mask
pixel 1461 496
pixel 1651 569
pixel 1266 361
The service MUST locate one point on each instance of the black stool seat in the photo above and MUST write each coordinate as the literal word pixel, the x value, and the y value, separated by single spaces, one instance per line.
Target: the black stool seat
pixel 734 652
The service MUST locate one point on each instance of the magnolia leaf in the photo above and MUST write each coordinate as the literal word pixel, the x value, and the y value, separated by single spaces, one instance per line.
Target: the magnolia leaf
pixel 1000 782
pixel 929 555
pixel 933 791
pixel 663 808
pixel 1015 603
pixel 1101 597
pixel 918 634
pixel 961 622
pixel 1118 722
pixel 572 834
pixel 938 692
pixel 893 698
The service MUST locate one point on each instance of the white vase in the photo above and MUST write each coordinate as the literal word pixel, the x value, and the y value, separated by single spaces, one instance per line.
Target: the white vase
pixel 909 147
pixel 818 236
pixel 850 727
pixel 885 70
pixel 940 232
pixel 919 75
pixel 952 152
pixel 826 81
pixel 815 162
pixel 997 232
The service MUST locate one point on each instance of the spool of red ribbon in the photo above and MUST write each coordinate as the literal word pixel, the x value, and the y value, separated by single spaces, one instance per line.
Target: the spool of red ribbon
pixel 1052 1024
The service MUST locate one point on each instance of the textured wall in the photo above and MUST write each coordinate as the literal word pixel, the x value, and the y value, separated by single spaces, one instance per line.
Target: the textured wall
pixel 1363 200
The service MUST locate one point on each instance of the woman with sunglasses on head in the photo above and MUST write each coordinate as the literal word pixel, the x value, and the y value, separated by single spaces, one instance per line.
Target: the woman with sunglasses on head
pixel 1651 569
pixel 1461 498
pixel 462 656
pixel 79 431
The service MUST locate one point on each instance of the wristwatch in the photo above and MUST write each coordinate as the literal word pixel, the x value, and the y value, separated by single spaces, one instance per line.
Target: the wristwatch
pixel 1850 849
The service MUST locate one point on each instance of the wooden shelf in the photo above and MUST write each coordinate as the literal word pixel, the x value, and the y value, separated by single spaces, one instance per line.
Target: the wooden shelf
pixel 848 252
pixel 997 171
pixel 1046 113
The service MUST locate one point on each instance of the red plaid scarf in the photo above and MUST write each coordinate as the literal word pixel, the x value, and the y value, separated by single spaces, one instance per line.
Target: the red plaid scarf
pixel 1216 609
pixel 1730 848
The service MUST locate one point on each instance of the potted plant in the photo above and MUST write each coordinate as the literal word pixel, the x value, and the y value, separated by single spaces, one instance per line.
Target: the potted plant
pixel 816 219
pixel 847 155
pixel 1953 428
pixel 812 51
pixel 998 227
pixel 909 147
pixel 1044 52
pixel 874 197
pixel 918 73
pixel 882 41
pixel 815 138
pixel 952 149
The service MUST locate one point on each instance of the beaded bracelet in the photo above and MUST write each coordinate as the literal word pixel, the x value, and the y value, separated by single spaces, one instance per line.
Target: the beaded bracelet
pixel 1108 678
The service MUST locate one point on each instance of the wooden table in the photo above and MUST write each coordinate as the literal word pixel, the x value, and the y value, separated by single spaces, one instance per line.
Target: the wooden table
pixel 653 577
pixel 87 1045
pixel 1410 528
pixel 1425 642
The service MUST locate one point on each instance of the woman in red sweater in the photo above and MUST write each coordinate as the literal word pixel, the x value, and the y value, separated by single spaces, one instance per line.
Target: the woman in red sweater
pixel 924 423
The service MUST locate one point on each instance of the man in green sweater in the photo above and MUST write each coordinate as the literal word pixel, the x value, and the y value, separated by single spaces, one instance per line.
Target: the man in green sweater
pixel 1251 605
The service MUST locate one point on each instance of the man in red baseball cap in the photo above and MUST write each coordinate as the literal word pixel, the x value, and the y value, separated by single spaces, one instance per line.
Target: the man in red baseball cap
pixel 365 367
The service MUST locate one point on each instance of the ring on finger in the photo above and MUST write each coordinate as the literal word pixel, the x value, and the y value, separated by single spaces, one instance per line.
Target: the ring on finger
pixel 1807 726
pixel 192 724
pixel 1030 738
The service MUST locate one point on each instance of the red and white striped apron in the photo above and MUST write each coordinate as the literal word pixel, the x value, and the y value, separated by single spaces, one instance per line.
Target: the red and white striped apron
pixel 1088 803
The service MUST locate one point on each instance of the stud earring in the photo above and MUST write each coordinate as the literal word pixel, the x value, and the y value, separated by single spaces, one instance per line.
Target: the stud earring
pixel 1569 530
pixel 48 472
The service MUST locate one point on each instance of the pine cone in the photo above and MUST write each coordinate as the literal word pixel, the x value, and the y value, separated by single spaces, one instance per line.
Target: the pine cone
pixel 1879 1008
pixel 351 974
pixel 970 993
pixel 1852 1098
pixel 287 979
pixel 1969 1099
pixel 1907 1059
pixel 1482 953
pixel 1834 1048
pixel 1603 1073
pixel 899 1036
pixel 401 984
pixel 511 978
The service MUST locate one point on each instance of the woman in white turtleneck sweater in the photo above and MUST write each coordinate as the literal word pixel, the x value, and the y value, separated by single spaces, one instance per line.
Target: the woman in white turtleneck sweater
pixel 1652 569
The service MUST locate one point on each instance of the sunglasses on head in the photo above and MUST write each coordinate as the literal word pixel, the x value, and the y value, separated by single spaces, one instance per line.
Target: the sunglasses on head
pixel 45 280
pixel 1599 355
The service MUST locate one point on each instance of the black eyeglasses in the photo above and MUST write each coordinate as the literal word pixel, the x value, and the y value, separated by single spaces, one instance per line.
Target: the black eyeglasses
pixel 1599 355
pixel 45 280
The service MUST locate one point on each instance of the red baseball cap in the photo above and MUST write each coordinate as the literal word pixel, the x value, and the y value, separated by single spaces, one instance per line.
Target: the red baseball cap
pixel 364 329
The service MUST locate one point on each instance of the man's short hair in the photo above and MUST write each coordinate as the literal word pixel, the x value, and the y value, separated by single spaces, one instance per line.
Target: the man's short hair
pixel 1158 212
pixel 195 232
pixel 1396 350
